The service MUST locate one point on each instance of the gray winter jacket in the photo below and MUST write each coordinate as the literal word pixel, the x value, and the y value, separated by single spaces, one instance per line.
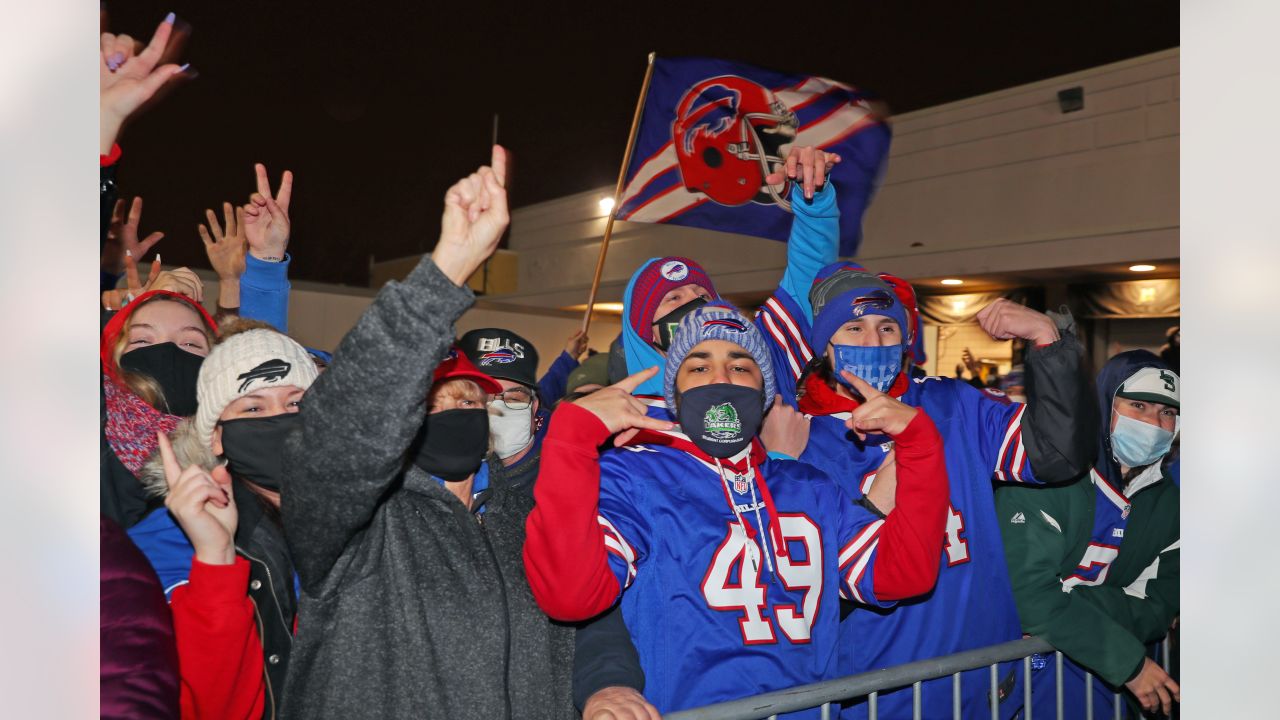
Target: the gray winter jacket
pixel 412 606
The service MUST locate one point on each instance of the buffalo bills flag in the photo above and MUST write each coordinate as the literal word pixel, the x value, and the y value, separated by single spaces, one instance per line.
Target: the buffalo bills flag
pixel 712 130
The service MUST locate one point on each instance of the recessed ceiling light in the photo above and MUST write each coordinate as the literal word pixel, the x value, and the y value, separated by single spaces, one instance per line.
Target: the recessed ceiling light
pixel 606 205
pixel 1142 268
pixel 952 281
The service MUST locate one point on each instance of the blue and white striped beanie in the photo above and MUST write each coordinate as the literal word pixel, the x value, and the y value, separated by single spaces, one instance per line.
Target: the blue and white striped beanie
pixel 716 321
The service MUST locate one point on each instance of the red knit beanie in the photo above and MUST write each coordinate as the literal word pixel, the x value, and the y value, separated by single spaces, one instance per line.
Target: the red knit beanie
pixel 658 278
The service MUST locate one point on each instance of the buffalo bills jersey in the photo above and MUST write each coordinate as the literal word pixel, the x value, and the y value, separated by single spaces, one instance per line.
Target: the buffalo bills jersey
pixel 716 611
pixel 972 604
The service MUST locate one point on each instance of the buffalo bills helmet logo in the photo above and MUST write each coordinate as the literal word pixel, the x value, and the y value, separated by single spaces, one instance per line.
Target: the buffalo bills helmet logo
pixel 269 372
pixel 501 356
pixel 874 300
pixel 730 324
pixel 674 270
pixel 728 135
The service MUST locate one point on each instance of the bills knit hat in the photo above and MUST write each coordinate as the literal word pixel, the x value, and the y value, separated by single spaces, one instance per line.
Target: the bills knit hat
pixel 659 277
pixel 244 363
pixel 845 291
pixel 716 321
pixel 1151 384
pixel 502 354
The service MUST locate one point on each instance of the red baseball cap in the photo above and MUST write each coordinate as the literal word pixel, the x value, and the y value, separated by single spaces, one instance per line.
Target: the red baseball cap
pixel 456 366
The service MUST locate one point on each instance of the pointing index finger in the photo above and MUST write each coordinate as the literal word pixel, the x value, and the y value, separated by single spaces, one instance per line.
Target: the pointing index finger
pixel 172 470
pixel 498 162
pixel 862 386
pixel 631 382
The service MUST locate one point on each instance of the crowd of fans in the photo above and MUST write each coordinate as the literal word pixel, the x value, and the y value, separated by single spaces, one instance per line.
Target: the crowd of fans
pixel 417 525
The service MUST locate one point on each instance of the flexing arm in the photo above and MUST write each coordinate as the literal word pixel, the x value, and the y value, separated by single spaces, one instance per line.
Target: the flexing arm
pixel 362 414
pixel 1053 438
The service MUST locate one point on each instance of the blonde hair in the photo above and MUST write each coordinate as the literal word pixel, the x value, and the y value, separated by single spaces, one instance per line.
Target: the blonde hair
pixel 144 386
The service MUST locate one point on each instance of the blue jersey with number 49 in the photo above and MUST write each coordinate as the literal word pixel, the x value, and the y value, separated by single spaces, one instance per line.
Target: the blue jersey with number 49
pixel 714 612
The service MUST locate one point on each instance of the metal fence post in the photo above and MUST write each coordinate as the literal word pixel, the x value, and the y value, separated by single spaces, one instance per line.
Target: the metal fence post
pixel 955 697
pixel 872 700
pixel 995 691
pixel 1058 681
pixel 1088 696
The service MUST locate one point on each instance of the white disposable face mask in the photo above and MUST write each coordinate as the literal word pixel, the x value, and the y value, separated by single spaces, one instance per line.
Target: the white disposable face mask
pixel 510 430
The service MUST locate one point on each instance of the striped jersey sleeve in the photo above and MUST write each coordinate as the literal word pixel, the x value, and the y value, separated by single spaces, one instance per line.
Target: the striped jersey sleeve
pixel 859 539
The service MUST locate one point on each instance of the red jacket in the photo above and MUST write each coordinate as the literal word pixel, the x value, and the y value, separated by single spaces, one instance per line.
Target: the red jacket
pixel 219 651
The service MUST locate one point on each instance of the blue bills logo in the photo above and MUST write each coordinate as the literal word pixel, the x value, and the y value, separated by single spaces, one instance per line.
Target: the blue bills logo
pixel 730 324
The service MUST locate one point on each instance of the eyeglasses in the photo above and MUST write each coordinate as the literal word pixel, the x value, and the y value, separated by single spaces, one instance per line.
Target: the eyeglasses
pixel 517 398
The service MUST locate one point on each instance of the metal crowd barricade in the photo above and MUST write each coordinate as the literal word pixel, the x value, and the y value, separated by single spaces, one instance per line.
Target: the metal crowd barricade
pixel 828 694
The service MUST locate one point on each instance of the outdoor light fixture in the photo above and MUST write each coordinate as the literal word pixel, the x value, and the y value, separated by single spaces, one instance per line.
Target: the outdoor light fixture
pixel 1142 268
pixel 952 281
pixel 606 205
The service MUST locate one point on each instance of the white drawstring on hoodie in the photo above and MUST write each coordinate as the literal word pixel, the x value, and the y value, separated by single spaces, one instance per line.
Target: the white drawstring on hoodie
pixel 755 503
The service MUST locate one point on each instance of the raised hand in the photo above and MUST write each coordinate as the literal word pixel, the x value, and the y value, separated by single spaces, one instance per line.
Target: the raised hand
pixel 622 412
pixel 878 412
pixel 122 237
pixel 784 430
pixel 203 505
pixel 266 218
pixel 475 216
pixel 1154 688
pixel 225 248
pixel 1005 319
pixel 576 344
pixel 619 703
pixel 128 80
pixel 808 166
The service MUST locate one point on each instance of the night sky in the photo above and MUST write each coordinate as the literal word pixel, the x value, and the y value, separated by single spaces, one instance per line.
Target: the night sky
pixel 378 107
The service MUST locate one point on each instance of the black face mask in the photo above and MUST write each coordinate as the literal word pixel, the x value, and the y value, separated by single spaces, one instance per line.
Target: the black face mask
pixel 175 369
pixel 722 418
pixel 668 323
pixel 254 447
pixel 452 443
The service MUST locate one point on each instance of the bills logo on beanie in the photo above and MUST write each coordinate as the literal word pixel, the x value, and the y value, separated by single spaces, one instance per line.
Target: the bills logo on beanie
pixel 244 363
pixel 716 321
pixel 658 277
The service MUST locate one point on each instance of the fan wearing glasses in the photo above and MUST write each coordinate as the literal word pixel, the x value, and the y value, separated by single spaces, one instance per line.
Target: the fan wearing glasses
pixel 516 417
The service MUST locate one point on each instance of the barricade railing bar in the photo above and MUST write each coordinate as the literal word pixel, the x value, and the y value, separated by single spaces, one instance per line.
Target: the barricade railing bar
pixel 828 694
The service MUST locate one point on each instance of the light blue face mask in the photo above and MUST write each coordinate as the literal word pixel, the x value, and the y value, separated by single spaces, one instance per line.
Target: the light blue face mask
pixel 1135 443
pixel 878 365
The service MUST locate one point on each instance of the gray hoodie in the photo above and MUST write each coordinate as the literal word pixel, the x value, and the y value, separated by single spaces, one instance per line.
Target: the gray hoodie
pixel 412 606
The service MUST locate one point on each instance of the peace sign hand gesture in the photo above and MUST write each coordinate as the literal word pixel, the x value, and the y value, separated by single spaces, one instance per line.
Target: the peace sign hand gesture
pixel 622 412
pixel 203 505
pixel 266 218
pixel 878 412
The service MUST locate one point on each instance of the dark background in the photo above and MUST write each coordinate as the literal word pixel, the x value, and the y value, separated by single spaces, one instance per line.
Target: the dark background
pixel 378 107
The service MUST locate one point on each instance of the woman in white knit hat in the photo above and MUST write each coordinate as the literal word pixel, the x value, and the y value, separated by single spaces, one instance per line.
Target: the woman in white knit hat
pixel 220 472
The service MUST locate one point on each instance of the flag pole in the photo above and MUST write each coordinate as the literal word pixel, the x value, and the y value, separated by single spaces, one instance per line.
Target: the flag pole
pixel 617 194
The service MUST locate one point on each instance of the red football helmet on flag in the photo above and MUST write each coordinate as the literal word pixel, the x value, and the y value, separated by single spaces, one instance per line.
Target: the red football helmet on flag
pixel 728 136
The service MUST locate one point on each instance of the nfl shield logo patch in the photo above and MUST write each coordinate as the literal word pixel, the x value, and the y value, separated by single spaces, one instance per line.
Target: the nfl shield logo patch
pixel 740 485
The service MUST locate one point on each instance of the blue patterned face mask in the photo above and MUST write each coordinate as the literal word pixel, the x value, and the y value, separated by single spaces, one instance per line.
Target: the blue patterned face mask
pixel 878 365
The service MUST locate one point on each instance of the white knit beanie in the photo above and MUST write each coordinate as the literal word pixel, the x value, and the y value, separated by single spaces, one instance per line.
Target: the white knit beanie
pixel 243 363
